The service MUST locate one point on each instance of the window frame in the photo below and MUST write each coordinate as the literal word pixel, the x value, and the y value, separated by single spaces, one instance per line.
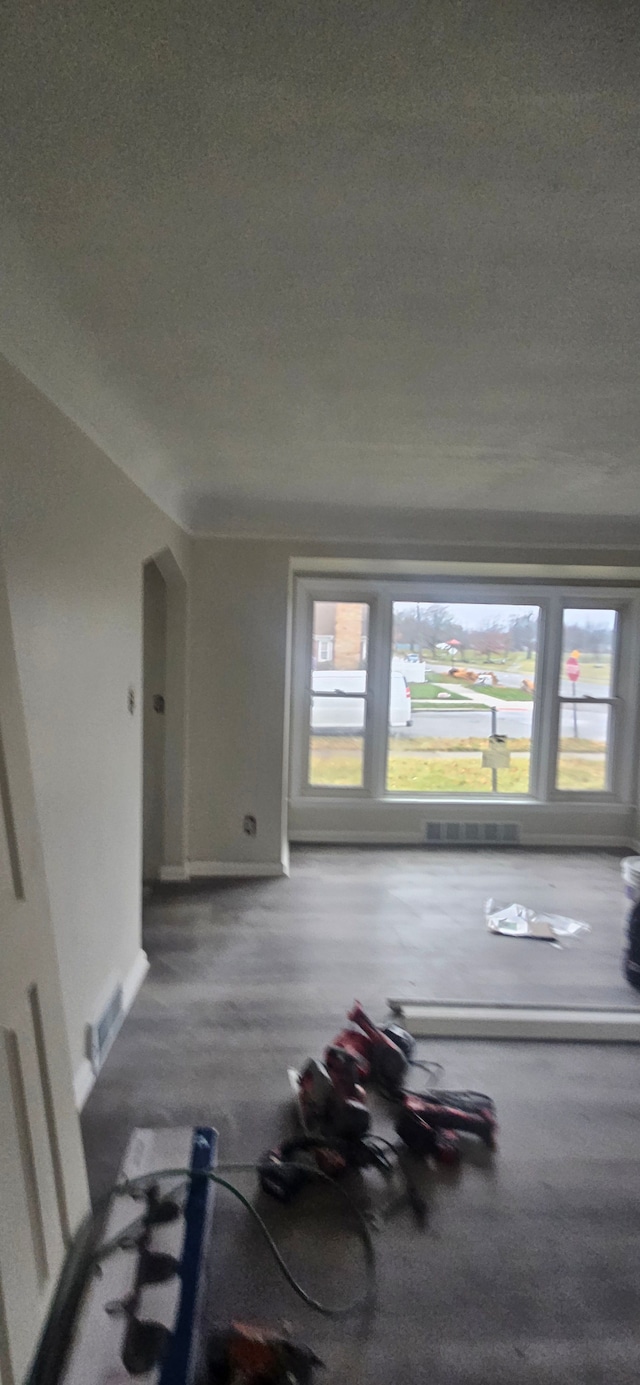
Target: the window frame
pixel 323 640
pixel 551 598
pixel 306 595
pixel 624 692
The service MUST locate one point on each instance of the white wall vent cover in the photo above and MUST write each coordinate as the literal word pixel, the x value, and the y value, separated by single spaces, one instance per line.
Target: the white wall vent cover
pixel 472 833
pixel 102 1032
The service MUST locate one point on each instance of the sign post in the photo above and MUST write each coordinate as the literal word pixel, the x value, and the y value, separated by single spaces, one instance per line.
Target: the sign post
pixel 573 673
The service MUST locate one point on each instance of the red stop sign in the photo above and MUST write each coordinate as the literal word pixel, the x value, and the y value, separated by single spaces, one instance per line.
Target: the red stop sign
pixel 573 669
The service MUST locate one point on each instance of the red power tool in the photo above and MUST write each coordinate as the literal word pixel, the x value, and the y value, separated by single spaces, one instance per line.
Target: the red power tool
pixel 430 1122
pixel 330 1098
pixel 381 1055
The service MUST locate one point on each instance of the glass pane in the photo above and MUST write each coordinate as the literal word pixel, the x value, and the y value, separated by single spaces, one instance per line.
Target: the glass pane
pixel 469 670
pixel 336 761
pixel 339 668
pixel 588 649
pixel 340 635
pixel 583 747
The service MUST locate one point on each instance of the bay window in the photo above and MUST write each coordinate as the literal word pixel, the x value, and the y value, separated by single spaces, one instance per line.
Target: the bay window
pixel 463 690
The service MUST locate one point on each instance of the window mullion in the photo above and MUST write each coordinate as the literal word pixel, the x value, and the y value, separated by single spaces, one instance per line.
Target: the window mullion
pixel 546 729
pixel 379 674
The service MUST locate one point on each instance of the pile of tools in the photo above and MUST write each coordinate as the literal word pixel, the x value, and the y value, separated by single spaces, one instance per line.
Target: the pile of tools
pixel 335 1117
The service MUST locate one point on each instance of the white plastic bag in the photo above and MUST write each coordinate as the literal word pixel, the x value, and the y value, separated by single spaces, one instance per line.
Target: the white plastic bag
pixel 516 921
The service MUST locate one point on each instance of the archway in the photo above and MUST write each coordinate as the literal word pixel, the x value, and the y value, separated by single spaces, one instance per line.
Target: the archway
pixel 164 718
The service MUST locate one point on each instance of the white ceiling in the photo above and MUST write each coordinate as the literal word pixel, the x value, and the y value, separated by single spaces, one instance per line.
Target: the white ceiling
pixel 311 267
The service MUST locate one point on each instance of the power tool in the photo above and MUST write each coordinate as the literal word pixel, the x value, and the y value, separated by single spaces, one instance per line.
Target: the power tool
pixel 335 1118
pixel 248 1355
pixel 330 1098
pixel 381 1055
pixel 335 1121
pixel 429 1122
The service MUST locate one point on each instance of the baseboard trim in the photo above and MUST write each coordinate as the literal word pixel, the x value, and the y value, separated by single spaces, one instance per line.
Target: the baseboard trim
pixel 203 870
pixel 84 1076
pixel 544 1023
pixel 170 875
pixel 354 837
pixel 132 982
pixel 318 836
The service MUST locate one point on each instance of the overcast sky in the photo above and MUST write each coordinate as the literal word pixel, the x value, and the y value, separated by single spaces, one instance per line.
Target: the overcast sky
pixel 470 613
pixel 481 614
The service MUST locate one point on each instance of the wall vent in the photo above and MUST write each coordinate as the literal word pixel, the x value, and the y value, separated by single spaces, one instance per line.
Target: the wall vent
pixel 102 1032
pixel 472 833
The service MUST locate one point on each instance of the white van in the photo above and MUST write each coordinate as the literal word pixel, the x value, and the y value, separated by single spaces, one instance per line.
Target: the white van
pixel 345 715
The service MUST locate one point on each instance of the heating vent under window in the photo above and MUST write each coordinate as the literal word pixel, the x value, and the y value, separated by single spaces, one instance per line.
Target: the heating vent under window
pixel 101 1034
pixel 472 834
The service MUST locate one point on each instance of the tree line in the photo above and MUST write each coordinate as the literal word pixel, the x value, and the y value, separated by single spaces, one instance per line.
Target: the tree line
pixel 424 628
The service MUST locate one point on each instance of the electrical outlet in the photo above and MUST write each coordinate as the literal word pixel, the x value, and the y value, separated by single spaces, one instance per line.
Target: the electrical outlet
pixel 249 825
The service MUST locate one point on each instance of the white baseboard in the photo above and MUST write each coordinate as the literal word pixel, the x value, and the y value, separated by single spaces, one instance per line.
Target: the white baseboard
pixel 321 836
pixel 468 1020
pixel 132 982
pixel 202 870
pixel 173 874
pixel 84 1076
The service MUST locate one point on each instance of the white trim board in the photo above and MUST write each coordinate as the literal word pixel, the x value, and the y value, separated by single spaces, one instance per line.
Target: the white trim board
pixel 173 875
pixel 83 1080
pixel 252 869
pixel 319 836
pixel 84 1076
pixel 542 1023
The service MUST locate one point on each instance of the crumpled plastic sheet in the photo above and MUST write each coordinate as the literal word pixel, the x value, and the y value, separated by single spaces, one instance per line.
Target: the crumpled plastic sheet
pixel 516 921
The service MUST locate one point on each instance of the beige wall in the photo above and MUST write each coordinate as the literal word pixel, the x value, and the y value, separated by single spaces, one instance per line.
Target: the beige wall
pixel 75 533
pixel 237 666
pixel 238 700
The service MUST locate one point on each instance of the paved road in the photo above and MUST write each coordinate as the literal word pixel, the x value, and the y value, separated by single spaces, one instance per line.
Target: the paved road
pixel 512 721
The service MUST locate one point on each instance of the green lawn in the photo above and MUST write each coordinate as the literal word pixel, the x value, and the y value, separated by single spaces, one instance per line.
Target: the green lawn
pixel 431 689
pixel 339 764
pixel 507 694
pixel 407 774
pixel 594 667
pixel 422 691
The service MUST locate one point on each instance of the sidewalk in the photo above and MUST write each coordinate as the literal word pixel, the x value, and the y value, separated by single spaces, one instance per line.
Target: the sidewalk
pixel 485 699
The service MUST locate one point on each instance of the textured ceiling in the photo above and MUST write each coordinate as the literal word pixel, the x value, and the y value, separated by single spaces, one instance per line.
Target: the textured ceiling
pixel 292 261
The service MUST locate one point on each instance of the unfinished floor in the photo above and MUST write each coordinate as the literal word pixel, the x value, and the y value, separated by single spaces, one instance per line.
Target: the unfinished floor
pixel 528 1271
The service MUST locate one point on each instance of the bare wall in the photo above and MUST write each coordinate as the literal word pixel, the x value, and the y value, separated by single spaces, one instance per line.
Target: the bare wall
pixel 238 681
pixel 75 532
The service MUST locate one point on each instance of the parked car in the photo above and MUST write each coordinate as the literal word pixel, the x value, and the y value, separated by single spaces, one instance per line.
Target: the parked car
pixel 344 715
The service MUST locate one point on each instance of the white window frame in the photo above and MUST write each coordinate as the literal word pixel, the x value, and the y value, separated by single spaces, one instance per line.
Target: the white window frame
pixel 551 599
pixel 323 640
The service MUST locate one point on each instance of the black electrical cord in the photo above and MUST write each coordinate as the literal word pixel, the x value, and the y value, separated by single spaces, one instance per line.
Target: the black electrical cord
pixel 84 1254
pixel 414 1197
pixel 358 1304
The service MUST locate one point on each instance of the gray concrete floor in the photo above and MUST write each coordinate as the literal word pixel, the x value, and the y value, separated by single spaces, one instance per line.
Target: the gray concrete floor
pixel 528 1271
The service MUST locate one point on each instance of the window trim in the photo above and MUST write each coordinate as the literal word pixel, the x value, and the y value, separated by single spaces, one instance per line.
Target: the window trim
pixel 624 689
pixel 551 597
